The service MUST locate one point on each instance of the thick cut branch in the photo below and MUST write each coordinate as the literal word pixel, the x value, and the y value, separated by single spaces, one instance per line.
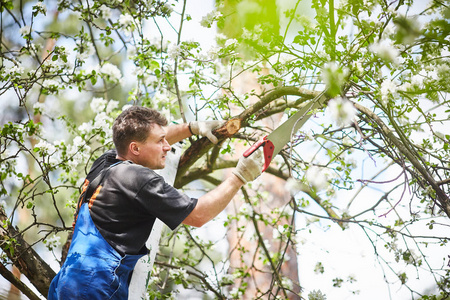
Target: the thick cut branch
pixel 24 257
pixel 202 146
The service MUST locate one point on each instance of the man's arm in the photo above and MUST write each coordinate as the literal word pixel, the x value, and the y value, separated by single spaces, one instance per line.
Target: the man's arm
pixel 176 133
pixel 212 203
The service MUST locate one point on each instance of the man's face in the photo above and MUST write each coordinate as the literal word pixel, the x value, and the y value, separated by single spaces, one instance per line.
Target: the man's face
pixel 152 152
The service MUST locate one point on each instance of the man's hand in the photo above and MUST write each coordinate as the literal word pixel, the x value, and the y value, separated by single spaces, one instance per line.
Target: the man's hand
pixel 249 168
pixel 205 129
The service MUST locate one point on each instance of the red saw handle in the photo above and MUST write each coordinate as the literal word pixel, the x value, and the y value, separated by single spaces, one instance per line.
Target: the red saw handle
pixel 268 149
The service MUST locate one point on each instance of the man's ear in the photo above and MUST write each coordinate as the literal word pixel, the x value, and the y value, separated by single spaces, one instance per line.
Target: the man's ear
pixel 133 147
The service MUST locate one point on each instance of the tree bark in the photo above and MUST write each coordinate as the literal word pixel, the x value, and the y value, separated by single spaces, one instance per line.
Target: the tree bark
pixel 15 281
pixel 24 257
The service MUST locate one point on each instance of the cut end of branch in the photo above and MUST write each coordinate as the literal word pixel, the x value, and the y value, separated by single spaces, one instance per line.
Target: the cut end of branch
pixel 230 128
pixel 233 126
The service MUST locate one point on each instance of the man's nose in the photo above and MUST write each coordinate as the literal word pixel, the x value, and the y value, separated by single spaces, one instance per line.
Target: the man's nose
pixel 166 146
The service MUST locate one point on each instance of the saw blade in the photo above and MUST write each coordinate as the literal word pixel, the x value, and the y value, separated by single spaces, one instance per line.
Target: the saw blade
pixel 283 133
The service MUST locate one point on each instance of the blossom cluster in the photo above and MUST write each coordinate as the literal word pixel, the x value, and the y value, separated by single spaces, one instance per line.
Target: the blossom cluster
pixel 53 242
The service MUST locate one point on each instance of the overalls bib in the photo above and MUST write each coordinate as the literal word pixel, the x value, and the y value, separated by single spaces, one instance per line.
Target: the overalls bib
pixel 93 269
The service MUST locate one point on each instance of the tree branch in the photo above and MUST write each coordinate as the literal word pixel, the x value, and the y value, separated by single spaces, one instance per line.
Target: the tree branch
pixel 442 198
pixel 24 257
pixel 17 283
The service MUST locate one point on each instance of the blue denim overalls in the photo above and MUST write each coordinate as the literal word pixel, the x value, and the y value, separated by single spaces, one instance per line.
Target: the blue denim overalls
pixel 93 269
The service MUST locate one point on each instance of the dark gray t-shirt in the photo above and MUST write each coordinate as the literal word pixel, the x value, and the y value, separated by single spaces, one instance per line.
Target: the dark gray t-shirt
pixel 129 201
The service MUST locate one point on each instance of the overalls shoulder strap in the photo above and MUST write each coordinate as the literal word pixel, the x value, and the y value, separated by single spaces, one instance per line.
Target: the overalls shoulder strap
pixel 92 186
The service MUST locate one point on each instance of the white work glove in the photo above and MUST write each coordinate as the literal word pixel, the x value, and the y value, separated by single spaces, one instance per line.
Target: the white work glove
pixel 250 167
pixel 205 129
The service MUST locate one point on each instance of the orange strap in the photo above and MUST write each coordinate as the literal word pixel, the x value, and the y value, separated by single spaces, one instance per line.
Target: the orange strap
pixel 94 196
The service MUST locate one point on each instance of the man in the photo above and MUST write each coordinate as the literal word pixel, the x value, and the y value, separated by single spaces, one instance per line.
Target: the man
pixel 121 198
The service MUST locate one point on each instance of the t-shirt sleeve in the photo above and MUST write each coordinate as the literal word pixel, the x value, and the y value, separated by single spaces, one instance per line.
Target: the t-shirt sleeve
pixel 165 202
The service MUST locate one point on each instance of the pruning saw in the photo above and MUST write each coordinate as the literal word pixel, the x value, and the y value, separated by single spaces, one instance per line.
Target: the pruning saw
pixel 275 141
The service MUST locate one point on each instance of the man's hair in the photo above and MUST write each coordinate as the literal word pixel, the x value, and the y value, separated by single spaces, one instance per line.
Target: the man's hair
pixel 134 124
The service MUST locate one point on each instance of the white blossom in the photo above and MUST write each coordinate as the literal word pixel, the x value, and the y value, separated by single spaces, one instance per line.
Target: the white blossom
pixel 288 211
pixel 346 141
pixel 287 283
pixel 16 69
pixel 78 142
pixel 427 191
pixel 358 67
pixel 227 279
pixel 231 43
pixel 50 83
pixel 85 128
pixel 213 52
pixel 151 81
pixel 385 50
pixel 280 231
pixel 50 66
pixel 417 80
pixel 412 258
pixel 78 151
pixel 98 104
pixel 52 242
pixel 102 121
pixel 174 51
pixel 139 71
pixel 131 52
pixel 245 208
pixel 275 234
pixel 45 147
pixel 267 244
pixel 126 20
pixel 153 280
pixel 387 87
pixel 126 106
pixel 112 71
pixel 342 111
pixel 235 293
pixel 293 186
pixel 178 273
pixel 40 106
pixel 105 11
pixel 167 8
pixel 246 34
pixel 55 159
pixel 317 177
pixel 87 50
pixel 316 295
pixel 24 30
pixel 333 74
pixel 209 19
pixel 41 7
pixel 112 105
